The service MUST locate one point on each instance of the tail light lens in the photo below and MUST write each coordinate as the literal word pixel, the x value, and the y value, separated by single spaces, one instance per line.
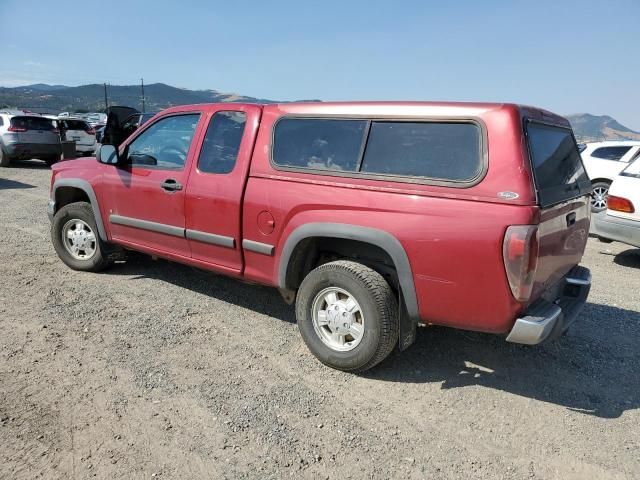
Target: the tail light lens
pixel 620 204
pixel 13 128
pixel 91 131
pixel 520 254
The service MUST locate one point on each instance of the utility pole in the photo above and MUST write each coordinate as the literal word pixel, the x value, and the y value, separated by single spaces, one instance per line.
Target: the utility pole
pixel 142 85
pixel 106 101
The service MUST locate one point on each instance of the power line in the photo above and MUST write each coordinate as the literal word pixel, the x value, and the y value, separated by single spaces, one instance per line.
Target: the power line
pixel 142 85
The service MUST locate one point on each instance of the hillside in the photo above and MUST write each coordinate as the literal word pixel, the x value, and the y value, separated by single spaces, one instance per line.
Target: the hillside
pixel 589 128
pixel 58 98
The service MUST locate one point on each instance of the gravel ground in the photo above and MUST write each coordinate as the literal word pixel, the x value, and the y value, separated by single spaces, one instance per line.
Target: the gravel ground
pixel 157 370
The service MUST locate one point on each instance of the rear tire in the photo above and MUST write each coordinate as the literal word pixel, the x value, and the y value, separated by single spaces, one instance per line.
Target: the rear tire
pixel 51 160
pixel 598 196
pixel 75 238
pixel 349 292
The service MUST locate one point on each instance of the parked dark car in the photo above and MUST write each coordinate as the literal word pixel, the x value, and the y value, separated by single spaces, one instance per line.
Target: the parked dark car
pixel 121 122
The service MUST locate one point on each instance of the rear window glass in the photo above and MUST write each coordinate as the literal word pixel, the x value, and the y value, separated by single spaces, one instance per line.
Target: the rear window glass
pixel 435 150
pixel 610 153
pixel 74 124
pixel 32 123
pixel 557 167
pixel 133 121
pixel 450 151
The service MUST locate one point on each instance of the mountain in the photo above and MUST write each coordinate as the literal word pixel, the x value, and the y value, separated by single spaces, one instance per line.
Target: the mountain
pixel 590 128
pixel 41 97
pixel 60 98
pixel 45 87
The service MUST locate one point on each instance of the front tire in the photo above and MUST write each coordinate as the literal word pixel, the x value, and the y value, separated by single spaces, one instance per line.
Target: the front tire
pixel 347 315
pixel 75 238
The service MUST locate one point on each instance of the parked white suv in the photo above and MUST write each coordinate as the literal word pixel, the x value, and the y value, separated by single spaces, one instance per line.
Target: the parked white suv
pixel 603 162
pixel 622 220
pixel 79 131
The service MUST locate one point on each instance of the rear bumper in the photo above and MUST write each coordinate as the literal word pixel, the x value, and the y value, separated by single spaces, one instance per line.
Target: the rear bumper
pixel 618 229
pixel 85 148
pixel 548 320
pixel 32 150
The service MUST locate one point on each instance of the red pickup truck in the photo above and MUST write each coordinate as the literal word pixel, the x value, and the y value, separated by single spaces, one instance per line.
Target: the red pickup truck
pixel 371 217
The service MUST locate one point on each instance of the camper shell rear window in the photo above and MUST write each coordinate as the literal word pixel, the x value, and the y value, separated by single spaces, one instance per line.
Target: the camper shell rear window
pixel 557 167
pixel 32 123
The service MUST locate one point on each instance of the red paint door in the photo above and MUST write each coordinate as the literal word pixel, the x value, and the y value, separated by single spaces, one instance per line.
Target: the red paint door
pixel 213 203
pixel 145 196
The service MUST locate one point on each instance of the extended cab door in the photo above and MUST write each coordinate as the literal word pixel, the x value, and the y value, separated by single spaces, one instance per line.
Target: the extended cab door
pixel 144 197
pixel 213 203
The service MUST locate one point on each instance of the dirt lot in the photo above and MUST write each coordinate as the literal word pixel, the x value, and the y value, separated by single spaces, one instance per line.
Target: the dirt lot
pixel 156 370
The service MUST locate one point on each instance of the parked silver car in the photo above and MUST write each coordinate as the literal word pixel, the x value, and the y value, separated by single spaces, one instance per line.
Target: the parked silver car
pixel 26 136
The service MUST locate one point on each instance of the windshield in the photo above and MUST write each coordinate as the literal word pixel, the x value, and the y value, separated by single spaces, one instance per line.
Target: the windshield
pixel 557 167
pixel 74 125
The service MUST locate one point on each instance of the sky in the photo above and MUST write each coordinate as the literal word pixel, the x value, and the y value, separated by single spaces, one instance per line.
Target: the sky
pixel 566 56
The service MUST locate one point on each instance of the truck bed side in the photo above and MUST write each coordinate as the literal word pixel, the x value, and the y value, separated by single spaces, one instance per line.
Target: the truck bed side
pixel 452 237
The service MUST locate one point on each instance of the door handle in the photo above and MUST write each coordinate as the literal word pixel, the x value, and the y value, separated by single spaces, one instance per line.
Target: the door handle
pixel 170 185
pixel 571 219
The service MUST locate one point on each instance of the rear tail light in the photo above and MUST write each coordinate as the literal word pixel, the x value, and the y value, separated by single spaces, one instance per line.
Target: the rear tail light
pixel 13 128
pixel 520 254
pixel 620 204
pixel 90 131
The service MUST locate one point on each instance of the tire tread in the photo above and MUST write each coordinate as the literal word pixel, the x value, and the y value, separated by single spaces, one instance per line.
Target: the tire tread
pixel 385 303
pixel 101 260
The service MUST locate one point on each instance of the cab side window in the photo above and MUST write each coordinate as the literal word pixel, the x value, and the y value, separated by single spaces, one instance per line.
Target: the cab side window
pixel 222 142
pixel 165 144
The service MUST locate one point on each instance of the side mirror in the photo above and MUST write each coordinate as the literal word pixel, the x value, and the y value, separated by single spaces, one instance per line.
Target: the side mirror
pixel 108 154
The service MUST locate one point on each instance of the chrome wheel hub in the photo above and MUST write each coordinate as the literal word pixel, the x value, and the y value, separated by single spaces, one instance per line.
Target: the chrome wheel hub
pixel 78 239
pixel 599 197
pixel 337 319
